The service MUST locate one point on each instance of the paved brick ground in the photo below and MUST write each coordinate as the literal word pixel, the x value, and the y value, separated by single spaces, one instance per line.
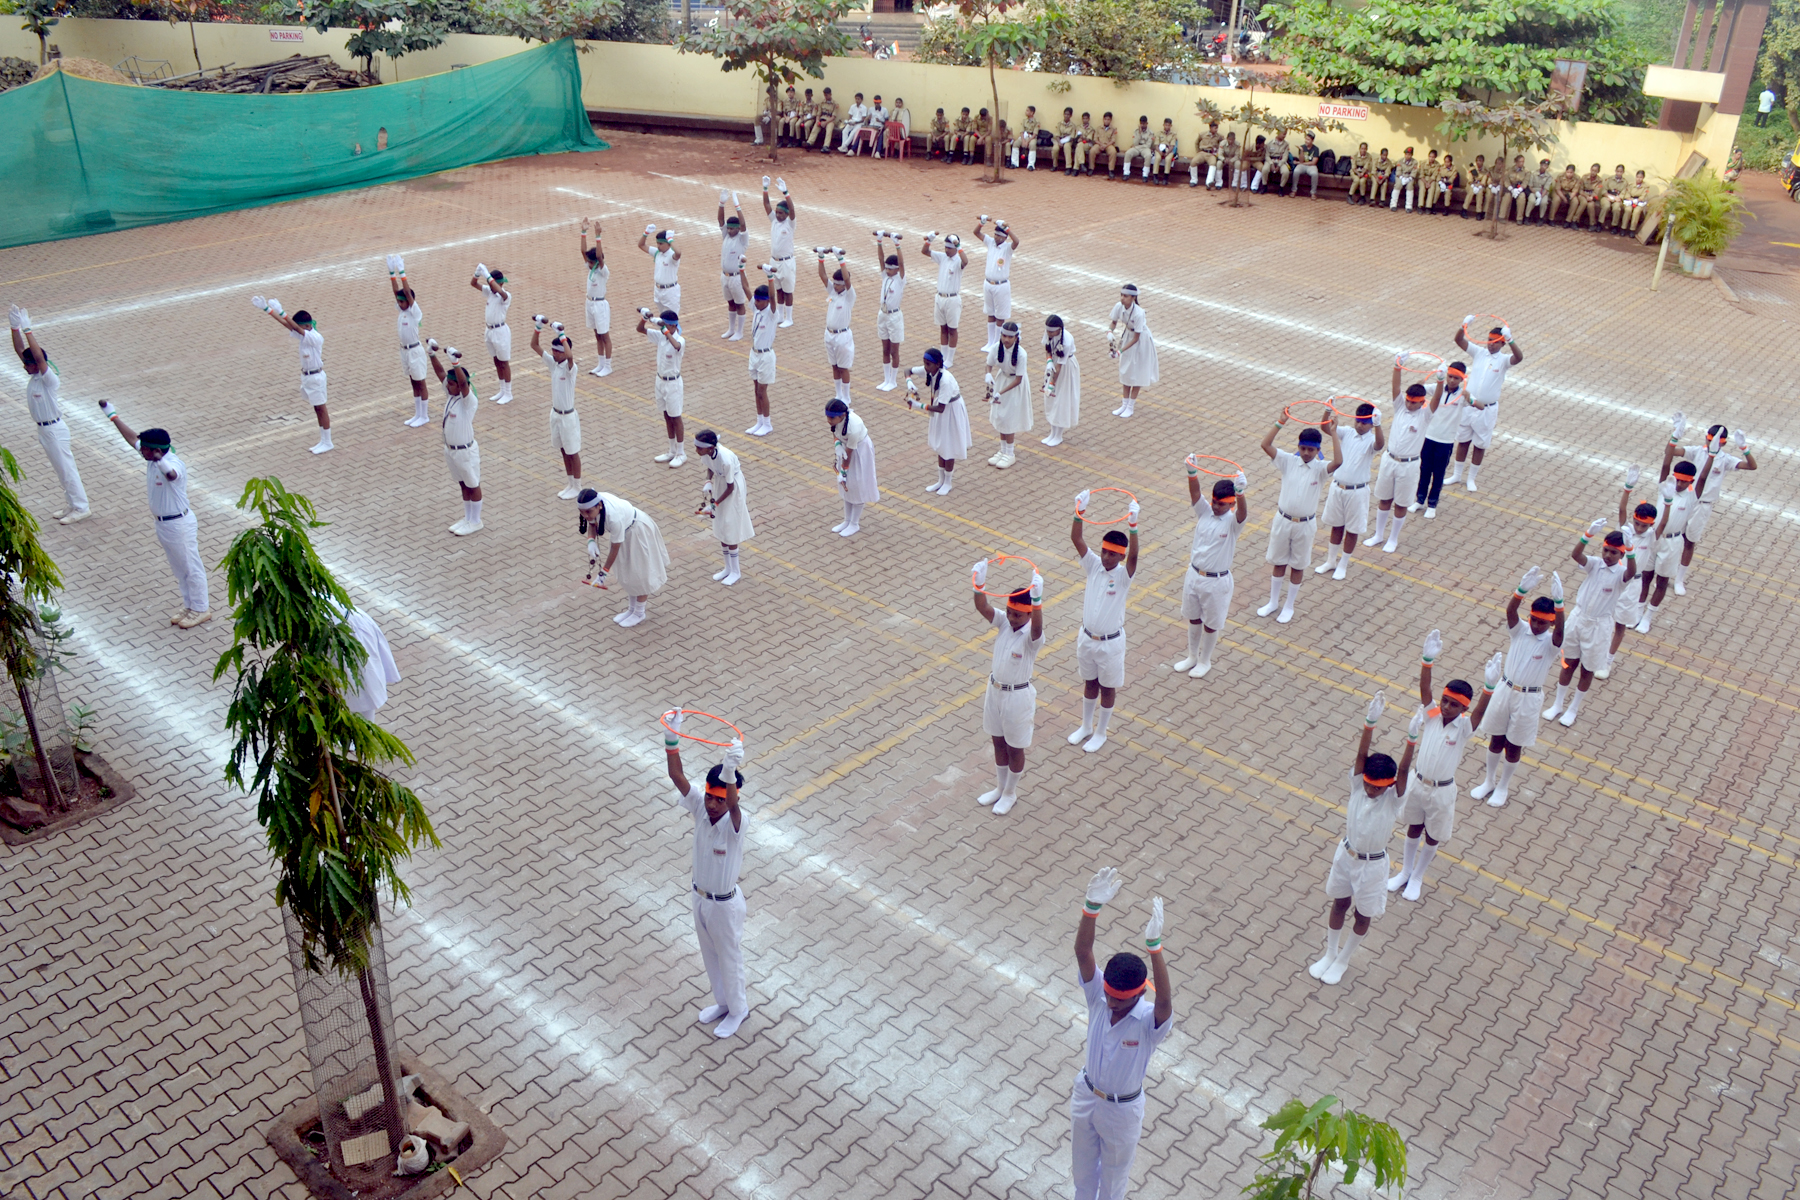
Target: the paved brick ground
pixel 1595 998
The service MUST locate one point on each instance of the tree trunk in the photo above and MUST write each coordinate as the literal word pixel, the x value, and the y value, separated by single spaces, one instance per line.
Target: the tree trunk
pixel 43 49
pixel 52 794
pixel 1494 217
pixel 390 1100
pixel 994 116
pixel 774 119
pixel 192 41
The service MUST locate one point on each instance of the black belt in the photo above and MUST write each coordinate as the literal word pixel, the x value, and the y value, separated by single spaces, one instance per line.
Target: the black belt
pixel 464 446
pixel 176 517
pixel 1348 487
pixel 1102 638
pixel 41 424
pixel 837 331
pixel 997 282
pixel 1009 687
pixel 948 295
pixel 668 378
pixel 1208 574
pixel 562 412
pixel 1435 782
pixel 596 300
pixel 1299 520
pixel 1515 687
pixel 1414 458
pixel 785 258
pixel 320 371
pixel 890 310
pixel 659 286
pixel 710 896
pixel 1375 857
pixel 501 325
pixel 410 346
pixel 1130 1096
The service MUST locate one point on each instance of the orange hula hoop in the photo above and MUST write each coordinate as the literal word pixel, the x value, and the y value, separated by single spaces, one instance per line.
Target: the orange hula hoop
pixel 694 737
pixel 1324 404
pixel 1004 558
pixel 1499 322
pixel 1092 492
pixel 1194 461
pixel 1353 402
pixel 1419 362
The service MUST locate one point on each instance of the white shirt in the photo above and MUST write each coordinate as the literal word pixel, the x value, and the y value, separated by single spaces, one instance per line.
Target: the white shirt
pixel 878 116
pixel 718 847
pixel 1359 452
pixel 1487 371
pixel 494 305
pixel 1299 483
pixel 1441 746
pixel 904 116
pixel 459 419
pixel 837 309
pixel 1529 656
pixel 892 287
pixel 762 328
pixel 1369 821
pixel 781 238
pixel 950 269
pixel 1015 652
pixel 1723 465
pixel 1643 543
pixel 1005 366
pixel 1601 589
pixel 1103 603
pixel 857 115
pixel 409 319
pixel 312 349
pixel 1132 318
pixel 723 470
pixel 947 389
pixel 40 395
pixel 1766 102
pixel 168 497
pixel 1406 432
pixel 620 516
pixel 1118 1052
pixel 596 282
pixel 999 258
pixel 731 251
pixel 669 349
pixel 1443 424
pixel 666 271
pixel 1680 509
pixel 1060 349
pixel 1215 538
pixel 562 383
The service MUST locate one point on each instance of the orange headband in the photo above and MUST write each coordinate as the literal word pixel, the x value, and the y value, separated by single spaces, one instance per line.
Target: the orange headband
pixel 1456 696
pixel 1124 993
pixel 1373 782
pixel 1017 606
pixel 1454 373
pixel 720 792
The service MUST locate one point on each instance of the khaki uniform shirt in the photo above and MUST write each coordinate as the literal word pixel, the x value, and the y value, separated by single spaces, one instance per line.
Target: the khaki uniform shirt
pixel 965 125
pixel 1206 146
pixel 1616 185
pixel 1278 153
pixel 1143 139
pixel 1591 186
pixel 1028 128
pixel 1360 164
pixel 940 129
pixel 1106 137
pixel 1066 130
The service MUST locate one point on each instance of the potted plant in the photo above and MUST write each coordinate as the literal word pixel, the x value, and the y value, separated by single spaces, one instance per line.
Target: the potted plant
pixel 1702 215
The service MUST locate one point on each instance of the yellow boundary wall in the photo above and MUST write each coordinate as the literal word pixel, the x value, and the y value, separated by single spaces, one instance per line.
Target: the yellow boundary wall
pixel 656 79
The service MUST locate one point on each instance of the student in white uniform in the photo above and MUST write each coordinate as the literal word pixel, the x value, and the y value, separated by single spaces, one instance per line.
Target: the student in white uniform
pixel 1106 1105
pixel 41 392
pixel 599 309
pixel 1359 864
pixel 412 349
pixel 1100 646
pixel 379 671
pixel 637 561
pixel 1009 399
pixel 1062 381
pixel 665 267
pixel 996 287
pixel 1009 710
pixel 1134 347
pixel 762 358
pixel 1639 525
pixel 840 337
pixel 782 217
pixel 890 321
pixel 1440 441
pixel 1206 589
pixel 311 344
pixel 1295 522
pixel 734 244
pixel 495 300
pixel 1397 482
pixel 947 308
pixel 853 453
pixel 856 119
pixel 1588 637
pixel 565 422
pixel 934 389
pixel 1487 369
pixel 1511 721
pixel 665 337
pixel 1681 493
pixel 1347 505
pixel 462 455
pixel 165 480
pixel 726 504
pixel 1722 465
pixel 1441 729
pixel 718 862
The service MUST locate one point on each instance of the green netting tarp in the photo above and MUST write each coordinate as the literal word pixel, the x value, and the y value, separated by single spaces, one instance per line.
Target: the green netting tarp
pixel 86 157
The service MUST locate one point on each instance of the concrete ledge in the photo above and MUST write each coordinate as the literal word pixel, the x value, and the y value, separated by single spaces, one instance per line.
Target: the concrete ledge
pixel 654 122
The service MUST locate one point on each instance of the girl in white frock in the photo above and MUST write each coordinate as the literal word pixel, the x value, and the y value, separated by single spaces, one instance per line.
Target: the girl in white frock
pixel 637 558
pixel 1009 404
pixel 1062 380
pixel 948 432
pixel 726 503
pixel 854 454
pixel 1136 349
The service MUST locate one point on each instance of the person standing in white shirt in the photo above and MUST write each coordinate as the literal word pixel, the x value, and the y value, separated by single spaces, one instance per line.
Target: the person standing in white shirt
pixel 565 422
pixel 1681 494
pixel 718 862
pixel 1359 864
pixel 853 455
pixel 1765 104
pixel 1295 522
pixel 462 455
pixel 890 321
pixel 664 333
pixel 1722 465
pixel 1511 722
pixel 932 388
pixel 1062 381
pixel 1347 505
pixel 734 241
pixel 665 267
pixel 637 561
pixel 1009 400
pixel 311 344
pixel 599 309
pixel 1487 369
pixel 41 392
pixel 996 287
pixel 840 338
pixel 495 300
pixel 165 480
pixel 1397 482
pixel 1638 523
pixel 379 671
pixel 1106 1105
pixel 1100 647
pixel 1207 587
pixel 782 218
pixel 1009 710
pixel 762 359
pixel 947 309
pixel 1134 347
pixel 1589 633
pixel 1441 729
pixel 412 350
pixel 1440 441
pixel 726 503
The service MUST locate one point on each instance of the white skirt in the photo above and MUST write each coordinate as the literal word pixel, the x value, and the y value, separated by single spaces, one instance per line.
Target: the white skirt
pixel 948 431
pixel 1013 414
pixel 859 482
pixel 1137 366
pixel 731 520
pixel 1062 407
pixel 642 565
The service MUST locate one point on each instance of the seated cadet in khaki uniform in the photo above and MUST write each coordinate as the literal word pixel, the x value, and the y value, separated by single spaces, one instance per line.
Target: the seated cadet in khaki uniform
pixel 1142 147
pixel 1256 156
pixel 1512 197
pixel 1588 198
pixel 1275 163
pixel 1406 173
pixel 1443 191
pixel 1027 140
pixel 1360 167
pixel 1637 197
pixel 1427 178
pixel 1308 168
pixel 1496 184
pixel 1475 188
pixel 962 136
pixel 1062 154
pixel 789 127
pixel 980 134
pixel 1612 198
pixel 1168 151
pixel 1106 141
pixel 1381 177
pixel 1564 196
pixel 824 124
pixel 1537 192
pixel 1231 158
pixel 1206 155
pixel 937 138
pixel 1081 143
pixel 809 113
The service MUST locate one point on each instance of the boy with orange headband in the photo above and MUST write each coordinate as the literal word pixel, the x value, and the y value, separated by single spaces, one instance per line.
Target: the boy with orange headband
pixel 1010 708
pixel 1681 493
pixel 1592 622
pixel 1639 524
pixel 1488 364
pixel 718 861
pixel 1397 482
pixel 1207 587
pixel 1347 504
pixel 1722 465
pixel 1440 731
pixel 1295 522
pixel 1100 647
pixel 1440 441
pixel 1106 1107
pixel 1359 865
pixel 1512 721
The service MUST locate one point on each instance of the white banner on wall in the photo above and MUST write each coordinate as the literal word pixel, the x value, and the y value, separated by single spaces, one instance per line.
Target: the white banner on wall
pixel 1343 112
pixel 287 35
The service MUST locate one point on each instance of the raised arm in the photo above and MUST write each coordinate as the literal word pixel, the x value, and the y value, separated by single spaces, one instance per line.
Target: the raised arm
pixel 1337 444
pixel 118 423
pixel 1077 530
pixel 1434 645
pixel 1268 442
pixel 1462 341
pixel 672 751
pixel 1131 550
pixel 978 577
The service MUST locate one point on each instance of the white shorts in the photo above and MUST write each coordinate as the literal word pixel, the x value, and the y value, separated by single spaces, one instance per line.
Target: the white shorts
pixel 1009 715
pixel 1206 599
pixel 1431 806
pixel 1397 480
pixel 733 287
pixel 948 311
pixel 890 326
pixel 412 361
pixel 499 343
pixel 1104 661
pixel 1513 715
pixel 1629 609
pixel 840 349
pixel 668 394
pixel 1696 523
pixel 1477 425
pixel 464 464
pixel 313 388
pixel 1589 641
pixel 668 296
pixel 762 366
pixel 599 316
pixel 1668 555
pixel 996 300
pixel 1290 542
pixel 1363 880
pixel 1348 507
pixel 784 275
pixel 565 432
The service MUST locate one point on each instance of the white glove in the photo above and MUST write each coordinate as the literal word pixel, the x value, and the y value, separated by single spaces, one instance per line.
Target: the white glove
pixel 482 271
pixel 724 195
pixel 1632 474
pixel 1742 435
pixel 1490 674
pixel 1468 320
pixel 1417 725
pixel 1037 589
pixel 734 201
pixel 1377 705
pixel 593 548
pixel 1239 484
pixel 1434 646
pixel 1668 489
pixel 734 756
pixel 275 307
pixel 650 228
pixel 558 328
pixel 1506 333
pixel 1678 426
pixel 985 218
pixel 106 406
pixel 782 185
pixel 765 183
pixel 1131 514
pixel 1400 359
pixel 256 300
pixel 1153 929
pixel 978 573
pixel 645 313
pixel 1529 580
pixel 399 265
pixel 1442 374
pixel 1081 501
pixel 390 266
pixel 431 345
pixel 671 723
pixel 539 320
pixel 1556 587
pixel 17 316
pixel 1102 888
pixel 1594 528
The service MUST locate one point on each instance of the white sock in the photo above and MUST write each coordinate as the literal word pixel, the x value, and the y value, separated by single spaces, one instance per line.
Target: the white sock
pixel 1410 857
pixel 421 409
pixel 1574 704
pixel 1681 574
pixel 949 353
pixel 949 477
pixel 1382 516
pixel 1011 787
pixel 324 437
pixel 1562 694
pixel 1493 767
pixel 1394 533
pixel 1015 156
pixel 1000 774
pixel 1087 712
pixel 1194 632
pixel 1208 640
pixel 1031 157
pixel 1455 474
pixel 1293 596
pixel 469 510
pixel 1105 720
pixel 1194 174
pixel 1275 589
pixel 1427 852
pixel 1506 773
pixel 1332 550
pixel 731 556
pixel 575 482
pixel 474 512
pixel 1473 467
pixel 675 447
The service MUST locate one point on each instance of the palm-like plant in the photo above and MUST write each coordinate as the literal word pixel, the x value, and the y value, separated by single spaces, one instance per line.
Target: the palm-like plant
pixel 1704 213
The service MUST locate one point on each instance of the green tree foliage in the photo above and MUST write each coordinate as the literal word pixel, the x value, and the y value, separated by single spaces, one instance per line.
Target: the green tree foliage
pixel 28 577
pixel 1518 126
pixel 1121 40
pixel 548 20
pixel 780 40
pixel 39 16
pixel 423 24
pixel 1310 1140
pixel 1000 33
pixel 1778 64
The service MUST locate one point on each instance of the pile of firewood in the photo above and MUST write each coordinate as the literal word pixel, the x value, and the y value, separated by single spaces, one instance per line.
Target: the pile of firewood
pixel 301 73
pixel 15 71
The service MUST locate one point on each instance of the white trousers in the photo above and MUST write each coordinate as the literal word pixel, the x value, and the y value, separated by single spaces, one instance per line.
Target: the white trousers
pixel 55 441
pixel 719 925
pixel 180 540
pixel 1106 1138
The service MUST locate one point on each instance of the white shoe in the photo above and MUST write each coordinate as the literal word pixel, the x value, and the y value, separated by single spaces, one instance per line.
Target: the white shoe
pixel 414 422
pixel 1471 486
pixel 1119 411
pixel 321 448
pixel 994 460
pixel 461 527
pixel 1200 670
pixel 603 372
pixel 619 617
pixel 850 530
pixel 1568 718
pixel 1413 507
pixel 756 429
pixel 710 1013
pixel 677 461
pixel 1498 799
pixel 1680 588
pixel 729 1025
pixel 932 487
pixel 1391 546
pixel 59 514
pixel 1413 890
pixel 1431 514
pixel 1643 625
pixel 987 798
pixel 1480 791
pixel 631 617
pixel 1269 608
pixel 721 573
pixel 502 398
pixel 726 336
pixel 1094 743
pixel 1006 461
pixel 787 324
pixel 1004 805
pixel 75 515
pixel 1551 713
pixel 1186 664
pixel 665 456
pixel 886 386
pixel 1322 567
pixel 1081 735
pixel 1342 567
pixel 1286 615
pixel 569 493
pixel 1335 972
pixel 1454 476
pixel 839 527
pixel 1604 672
pixel 595 371
pixel 1396 882
pixel 1318 968
pixel 732 577
pixel 1050 441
